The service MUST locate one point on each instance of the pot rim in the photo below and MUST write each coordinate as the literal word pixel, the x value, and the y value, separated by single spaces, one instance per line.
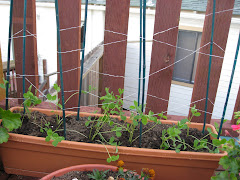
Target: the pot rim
pixel 83 167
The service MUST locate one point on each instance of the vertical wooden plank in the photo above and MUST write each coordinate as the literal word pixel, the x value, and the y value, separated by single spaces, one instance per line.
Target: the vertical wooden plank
pixel 2 91
pixel 221 30
pixel 114 58
pixel 100 85
pixel 70 16
pixel 31 44
pixel 237 107
pixel 45 72
pixel 96 76
pixel 167 16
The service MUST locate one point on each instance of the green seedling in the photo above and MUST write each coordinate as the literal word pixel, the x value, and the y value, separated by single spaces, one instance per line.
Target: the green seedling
pixel 98 175
pixel 4 84
pixel 10 121
pixel 30 100
pixel 51 135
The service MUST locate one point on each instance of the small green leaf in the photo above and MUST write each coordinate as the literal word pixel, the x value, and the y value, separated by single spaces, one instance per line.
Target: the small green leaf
pixel 177 150
pixel 10 120
pixel 60 106
pixel 209 130
pixel 56 87
pixel 135 123
pixel 135 103
pixel 183 121
pixel 3 135
pixel 55 143
pixel 118 134
pixel 54 98
pixel 111 123
pixel 197 114
pixel 87 123
pixel 214 135
pixel 49 97
pixel 2 86
pixel 123 118
pixel 144 120
pixel 49 132
pixel 109 160
pixel 111 140
pixel 47 139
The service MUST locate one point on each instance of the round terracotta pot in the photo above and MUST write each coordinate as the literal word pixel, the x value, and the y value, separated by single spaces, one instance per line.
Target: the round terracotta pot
pixel 84 167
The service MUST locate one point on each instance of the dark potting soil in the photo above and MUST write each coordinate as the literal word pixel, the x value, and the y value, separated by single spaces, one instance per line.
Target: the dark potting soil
pixel 83 175
pixel 77 131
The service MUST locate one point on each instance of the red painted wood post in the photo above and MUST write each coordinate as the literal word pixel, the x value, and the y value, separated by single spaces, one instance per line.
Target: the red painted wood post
pixel 70 16
pixel 114 58
pixel 31 44
pixel 222 25
pixel 237 107
pixel 167 16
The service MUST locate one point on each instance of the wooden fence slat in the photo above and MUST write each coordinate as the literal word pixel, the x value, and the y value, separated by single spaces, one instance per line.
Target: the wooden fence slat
pixel 2 91
pixel 114 58
pixel 237 107
pixel 31 44
pixel 222 25
pixel 70 16
pixel 167 16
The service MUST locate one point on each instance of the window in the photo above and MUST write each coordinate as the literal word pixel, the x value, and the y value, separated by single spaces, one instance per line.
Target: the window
pixel 185 70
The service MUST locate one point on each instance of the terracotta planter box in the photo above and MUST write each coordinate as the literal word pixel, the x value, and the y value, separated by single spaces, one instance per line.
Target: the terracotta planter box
pixel 32 156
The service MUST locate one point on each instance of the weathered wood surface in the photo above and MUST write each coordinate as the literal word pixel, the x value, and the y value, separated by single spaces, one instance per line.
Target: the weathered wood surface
pixel 114 59
pixel 31 60
pixel 222 25
pixel 12 66
pixel 167 16
pixel 91 77
pixel 70 16
pixel 2 91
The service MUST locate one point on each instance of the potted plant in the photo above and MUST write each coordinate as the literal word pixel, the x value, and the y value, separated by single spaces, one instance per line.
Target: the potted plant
pixel 231 162
pixel 99 172
pixel 33 156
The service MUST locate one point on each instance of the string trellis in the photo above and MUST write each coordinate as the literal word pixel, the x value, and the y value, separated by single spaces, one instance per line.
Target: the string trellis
pixel 211 43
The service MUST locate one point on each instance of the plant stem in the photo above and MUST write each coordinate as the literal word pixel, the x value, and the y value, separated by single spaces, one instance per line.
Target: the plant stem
pixel 73 131
pixel 71 97
pixel 145 132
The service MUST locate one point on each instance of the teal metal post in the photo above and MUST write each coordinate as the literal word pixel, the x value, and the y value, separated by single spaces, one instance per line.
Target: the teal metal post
pixel 229 87
pixel 140 54
pixel 60 65
pixel 9 51
pixel 24 45
pixel 82 61
pixel 144 65
pixel 210 64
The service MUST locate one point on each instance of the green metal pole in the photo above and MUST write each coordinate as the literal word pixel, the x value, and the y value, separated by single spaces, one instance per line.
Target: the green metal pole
pixel 140 54
pixel 9 51
pixel 82 61
pixel 24 45
pixel 210 65
pixel 229 87
pixel 144 65
pixel 60 65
